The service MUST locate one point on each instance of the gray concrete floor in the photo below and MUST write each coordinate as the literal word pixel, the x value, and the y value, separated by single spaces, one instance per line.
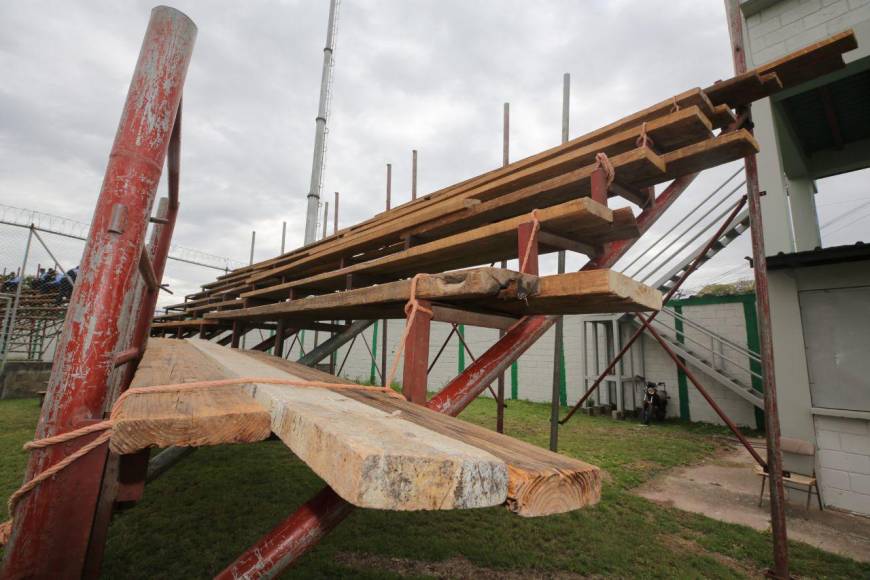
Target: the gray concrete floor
pixel 726 488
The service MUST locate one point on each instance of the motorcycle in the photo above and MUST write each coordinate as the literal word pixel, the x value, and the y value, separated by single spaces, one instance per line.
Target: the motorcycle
pixel 655 403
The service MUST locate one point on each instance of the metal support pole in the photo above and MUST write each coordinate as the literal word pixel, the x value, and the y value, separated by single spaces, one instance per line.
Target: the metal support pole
pixel 559 338
pixel 283 235
pixel 332 355
pixel 384 323
pixel 505 160
pixel 17 300
pixel 413 174
pixel 253 243
pixel 618 370
pixel 320 130
pixel 53 524
pixel 762 295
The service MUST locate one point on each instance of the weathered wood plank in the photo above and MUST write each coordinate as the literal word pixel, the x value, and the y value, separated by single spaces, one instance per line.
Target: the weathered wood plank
pixel 370 457
pixel 185 418
pixel 582 220
pixel 540 482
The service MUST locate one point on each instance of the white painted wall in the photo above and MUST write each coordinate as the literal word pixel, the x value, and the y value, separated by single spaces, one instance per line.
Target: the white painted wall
pixel 788 25
pixel 536 365
pixel 843 462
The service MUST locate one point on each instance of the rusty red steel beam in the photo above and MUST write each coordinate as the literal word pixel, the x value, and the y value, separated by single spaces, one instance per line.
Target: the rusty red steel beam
pixel 688 272
pixel 124 476
pixel 53 524
pixel 762 298
pixel 304 529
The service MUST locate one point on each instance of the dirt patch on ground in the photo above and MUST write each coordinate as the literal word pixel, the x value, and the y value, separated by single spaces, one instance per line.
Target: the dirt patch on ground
pixel 726 488
pixel 679 544
pixel 452 568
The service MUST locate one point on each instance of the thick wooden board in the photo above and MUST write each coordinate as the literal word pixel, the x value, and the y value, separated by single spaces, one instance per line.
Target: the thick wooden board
pixel 581 220
pixel 185 418
pixel 475 290
pixel 812 61
pixel 361 303
pixel 586 292
pixel 370 457
pixel 540 482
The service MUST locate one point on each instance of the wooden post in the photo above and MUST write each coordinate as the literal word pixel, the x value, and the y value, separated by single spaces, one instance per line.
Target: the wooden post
pixel 415 371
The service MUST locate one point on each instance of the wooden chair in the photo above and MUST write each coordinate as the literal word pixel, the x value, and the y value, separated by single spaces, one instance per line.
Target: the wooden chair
pixel 797 447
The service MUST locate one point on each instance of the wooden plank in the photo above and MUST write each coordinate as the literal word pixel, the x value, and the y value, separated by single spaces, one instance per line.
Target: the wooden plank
pixel 353 304
pixel 640 164
pixel 441 313
pixel 584 292
pixel 184 418
pixel 371 458
pixel 582 220
pixel 540 482
pixel 690 122
pixel 722 149
pixel 808 63
pixel 588 292
pixel 194 322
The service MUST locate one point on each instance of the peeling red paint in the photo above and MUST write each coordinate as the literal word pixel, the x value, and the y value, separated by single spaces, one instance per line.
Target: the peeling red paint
pixel 53 524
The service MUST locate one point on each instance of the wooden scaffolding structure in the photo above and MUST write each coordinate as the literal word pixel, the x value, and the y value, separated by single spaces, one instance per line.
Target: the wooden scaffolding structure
pixel 422 260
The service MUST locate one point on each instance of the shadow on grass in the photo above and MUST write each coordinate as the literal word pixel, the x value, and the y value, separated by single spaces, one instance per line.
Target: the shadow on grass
pixel 210 508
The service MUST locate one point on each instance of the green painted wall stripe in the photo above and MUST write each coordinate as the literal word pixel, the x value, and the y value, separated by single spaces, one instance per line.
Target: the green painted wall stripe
pixel 460 359
pixel 754 344
pixel 682 381
pixel 702 300
pixel 515 380
pixel 374 369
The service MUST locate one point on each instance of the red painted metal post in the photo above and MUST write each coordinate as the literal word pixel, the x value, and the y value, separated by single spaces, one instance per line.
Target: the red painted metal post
pixel 415 370
pixel 762 296
pixel 527 234
pixel 53 524
pixel 598 182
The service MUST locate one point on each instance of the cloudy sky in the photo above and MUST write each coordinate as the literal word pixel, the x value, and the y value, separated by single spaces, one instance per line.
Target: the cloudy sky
pixel 430 75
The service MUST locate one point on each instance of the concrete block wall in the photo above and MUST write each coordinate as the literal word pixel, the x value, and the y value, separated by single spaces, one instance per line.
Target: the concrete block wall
pixel 535 367
pixel 728 321
pixel 843 462
pixel 788 25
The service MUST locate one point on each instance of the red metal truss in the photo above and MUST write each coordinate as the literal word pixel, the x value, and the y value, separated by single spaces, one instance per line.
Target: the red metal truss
pixel 53 524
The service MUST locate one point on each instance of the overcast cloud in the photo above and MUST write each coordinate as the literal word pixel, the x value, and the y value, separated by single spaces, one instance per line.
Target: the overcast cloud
pixel 430 75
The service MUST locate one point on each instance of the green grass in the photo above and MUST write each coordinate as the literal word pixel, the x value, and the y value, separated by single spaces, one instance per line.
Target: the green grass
pixel 208 509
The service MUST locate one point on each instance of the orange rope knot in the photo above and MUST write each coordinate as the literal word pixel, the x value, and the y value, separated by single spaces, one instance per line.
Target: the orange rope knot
pixel 643 140
pixel 603 162
pixel 108 424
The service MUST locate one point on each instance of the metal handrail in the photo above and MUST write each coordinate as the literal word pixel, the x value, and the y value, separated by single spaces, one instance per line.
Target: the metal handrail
pixel 707 348
pixel 683 318
pixel 683 219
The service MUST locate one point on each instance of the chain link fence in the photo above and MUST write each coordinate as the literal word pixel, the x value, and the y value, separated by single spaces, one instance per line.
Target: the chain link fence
pixel 39 258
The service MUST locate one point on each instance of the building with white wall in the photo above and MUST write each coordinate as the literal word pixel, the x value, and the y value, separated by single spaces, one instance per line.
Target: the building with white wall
pixel 820 297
